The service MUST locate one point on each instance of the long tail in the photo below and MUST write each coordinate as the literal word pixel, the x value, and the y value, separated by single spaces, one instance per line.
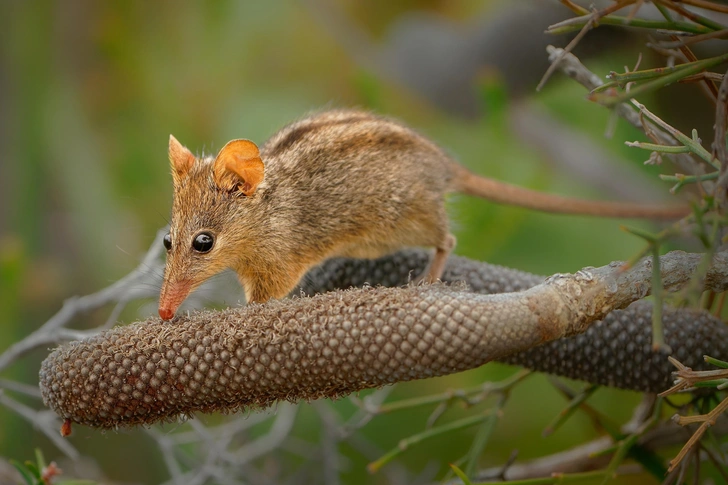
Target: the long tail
pixel 505 193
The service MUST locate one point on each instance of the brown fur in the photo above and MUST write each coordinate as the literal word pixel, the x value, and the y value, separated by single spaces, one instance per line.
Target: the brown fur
pixel 338 183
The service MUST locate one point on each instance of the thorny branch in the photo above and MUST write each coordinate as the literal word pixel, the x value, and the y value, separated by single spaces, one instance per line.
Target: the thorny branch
pixel 671 142
pixel 572 67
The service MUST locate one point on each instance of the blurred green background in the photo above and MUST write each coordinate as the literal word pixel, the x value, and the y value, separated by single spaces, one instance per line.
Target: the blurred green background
pixel 90 91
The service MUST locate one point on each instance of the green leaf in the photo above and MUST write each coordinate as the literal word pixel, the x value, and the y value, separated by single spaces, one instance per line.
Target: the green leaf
pixel 40 459
pixel 25 473
pixel 461 475
pixel 713 361
pixel 32 468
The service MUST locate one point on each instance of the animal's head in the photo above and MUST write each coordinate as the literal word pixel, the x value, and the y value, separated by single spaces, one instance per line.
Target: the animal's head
pixel 211 200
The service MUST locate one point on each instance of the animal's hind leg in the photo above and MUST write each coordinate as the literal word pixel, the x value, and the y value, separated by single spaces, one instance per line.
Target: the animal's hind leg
pixel 437 265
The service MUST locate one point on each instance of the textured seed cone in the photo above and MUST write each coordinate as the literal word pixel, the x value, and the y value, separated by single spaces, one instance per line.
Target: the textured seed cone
pixel 617 351
pixel 325 346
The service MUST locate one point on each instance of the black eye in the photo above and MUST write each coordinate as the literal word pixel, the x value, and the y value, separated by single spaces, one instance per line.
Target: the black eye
pixel 168 241
pixel 203 242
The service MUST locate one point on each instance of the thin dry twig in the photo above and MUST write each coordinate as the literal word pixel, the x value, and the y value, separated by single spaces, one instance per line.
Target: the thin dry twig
pixel 707 5
pixel 687 379
pixel 718 463
pixel 692 16
pixel 680 41
pixel 711 76
pixel 570 46
pixel 708 420
pixel 707 85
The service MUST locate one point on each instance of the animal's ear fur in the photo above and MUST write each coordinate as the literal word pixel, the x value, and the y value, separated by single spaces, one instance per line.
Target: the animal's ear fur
pixel 180 158
pixel 238 167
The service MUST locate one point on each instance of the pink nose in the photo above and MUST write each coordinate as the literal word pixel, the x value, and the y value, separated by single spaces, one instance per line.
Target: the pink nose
pixel 166 313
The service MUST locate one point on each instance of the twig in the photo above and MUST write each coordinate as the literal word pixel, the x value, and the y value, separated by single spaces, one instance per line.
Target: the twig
pixel 719 464
pixel 593 19
pixel 698 19
pixel 706 85
pixel 404 444
pixel 329 442
pixel 575 403
pixel 707 5
pixel 708 420
pixel 483 435
pixel 285 417
pixel 577 23
pixel 692 143
pixel 695 39
pixel 26 389
pixel 680 72
pixel 590 455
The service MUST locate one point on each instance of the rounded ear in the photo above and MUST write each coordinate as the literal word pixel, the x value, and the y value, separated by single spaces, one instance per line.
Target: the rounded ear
pixel 238 167
pixel 180 158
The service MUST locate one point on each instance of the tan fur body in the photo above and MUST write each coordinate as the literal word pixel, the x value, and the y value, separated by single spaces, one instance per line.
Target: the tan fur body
pixel 338 183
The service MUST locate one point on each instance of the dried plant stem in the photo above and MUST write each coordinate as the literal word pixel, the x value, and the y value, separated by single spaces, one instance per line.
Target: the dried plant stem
pixel 708 420
pixel 707 5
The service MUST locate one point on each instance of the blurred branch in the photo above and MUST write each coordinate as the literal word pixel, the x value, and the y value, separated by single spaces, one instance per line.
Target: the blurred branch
pixel 45 421
pixel 591 455
pixel 579 155
pixel 441 60
pixel 683 41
